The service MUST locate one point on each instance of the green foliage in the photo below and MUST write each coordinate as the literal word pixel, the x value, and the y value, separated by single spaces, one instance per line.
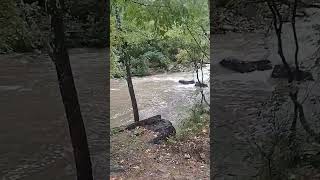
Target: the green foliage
pixel 198 119
pixel 27 25
pixel 156 30
pixel 11 31
pixel 115 70
pixel 156 59
pixel 182 56
pixel 139 66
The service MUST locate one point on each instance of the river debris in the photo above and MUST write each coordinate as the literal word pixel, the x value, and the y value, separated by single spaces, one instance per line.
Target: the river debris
pixel 186 82
pixel 245 66
pixel 200 84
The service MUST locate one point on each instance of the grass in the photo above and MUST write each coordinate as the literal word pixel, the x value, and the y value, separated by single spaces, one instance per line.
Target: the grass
pixel 194 125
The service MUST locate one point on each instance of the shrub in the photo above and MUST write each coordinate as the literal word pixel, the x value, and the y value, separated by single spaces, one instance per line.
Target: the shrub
pixel 115 70
pixel 139 66
pixel 156 59
pixel 182 56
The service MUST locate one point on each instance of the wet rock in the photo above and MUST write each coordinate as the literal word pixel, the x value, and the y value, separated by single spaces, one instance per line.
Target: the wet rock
pixel 279 71
pixel 163 127
pixel 199 84
pixel 186 82
pixel 245 66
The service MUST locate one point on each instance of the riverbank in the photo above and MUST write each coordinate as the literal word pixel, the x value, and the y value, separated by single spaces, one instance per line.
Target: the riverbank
pixel 185 156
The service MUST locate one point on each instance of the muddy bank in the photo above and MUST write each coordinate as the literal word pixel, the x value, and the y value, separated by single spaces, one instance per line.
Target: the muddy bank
pixel 132 157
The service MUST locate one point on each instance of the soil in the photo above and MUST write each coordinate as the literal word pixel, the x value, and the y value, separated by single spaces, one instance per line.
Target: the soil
pixel 132 157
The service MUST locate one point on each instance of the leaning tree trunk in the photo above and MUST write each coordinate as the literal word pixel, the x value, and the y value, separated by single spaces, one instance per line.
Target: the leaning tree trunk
pixel 60 57
pixel 131 92
pixel 126 60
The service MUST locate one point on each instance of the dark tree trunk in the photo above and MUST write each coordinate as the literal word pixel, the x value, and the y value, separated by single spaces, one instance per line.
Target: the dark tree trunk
pixel 60 57
pixel 293 22
pixel 131 90
pixel 126 60
pixel 278 22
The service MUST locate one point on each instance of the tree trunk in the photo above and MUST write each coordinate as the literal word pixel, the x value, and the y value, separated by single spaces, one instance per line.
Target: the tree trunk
pixel 126 60
pixel 277 22
pixel 60 57
pixel 293 22
pixel 131 92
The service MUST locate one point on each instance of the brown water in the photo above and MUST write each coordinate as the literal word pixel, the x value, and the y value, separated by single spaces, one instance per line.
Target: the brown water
pixel 34 136
pixel 157 94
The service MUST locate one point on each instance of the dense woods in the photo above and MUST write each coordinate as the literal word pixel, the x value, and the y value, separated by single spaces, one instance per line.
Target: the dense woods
pixel 27 25
pixel 160 35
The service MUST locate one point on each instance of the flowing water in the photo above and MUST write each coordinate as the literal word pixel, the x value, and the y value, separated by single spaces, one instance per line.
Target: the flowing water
pixel 157 94
pixel 237 97
pixel 34 135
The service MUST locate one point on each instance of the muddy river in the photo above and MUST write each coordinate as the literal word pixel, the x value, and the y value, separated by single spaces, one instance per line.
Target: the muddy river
pixel 34 136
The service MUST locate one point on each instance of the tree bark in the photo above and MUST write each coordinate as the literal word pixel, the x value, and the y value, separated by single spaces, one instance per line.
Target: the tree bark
pixel 60 57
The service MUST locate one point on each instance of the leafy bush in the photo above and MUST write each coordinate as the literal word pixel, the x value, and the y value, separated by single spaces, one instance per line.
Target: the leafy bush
pixel 156 59
pixel 139 66
pixel 198 119
pixel 115 70
pixel 27 26
pixel 182 56
pixel 10 36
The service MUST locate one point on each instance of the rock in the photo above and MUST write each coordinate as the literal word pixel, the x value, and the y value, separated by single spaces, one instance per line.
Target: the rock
pixel 199 84
pixel 279 71
pixel 245 66
pixel 186 82
pixel 163 127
